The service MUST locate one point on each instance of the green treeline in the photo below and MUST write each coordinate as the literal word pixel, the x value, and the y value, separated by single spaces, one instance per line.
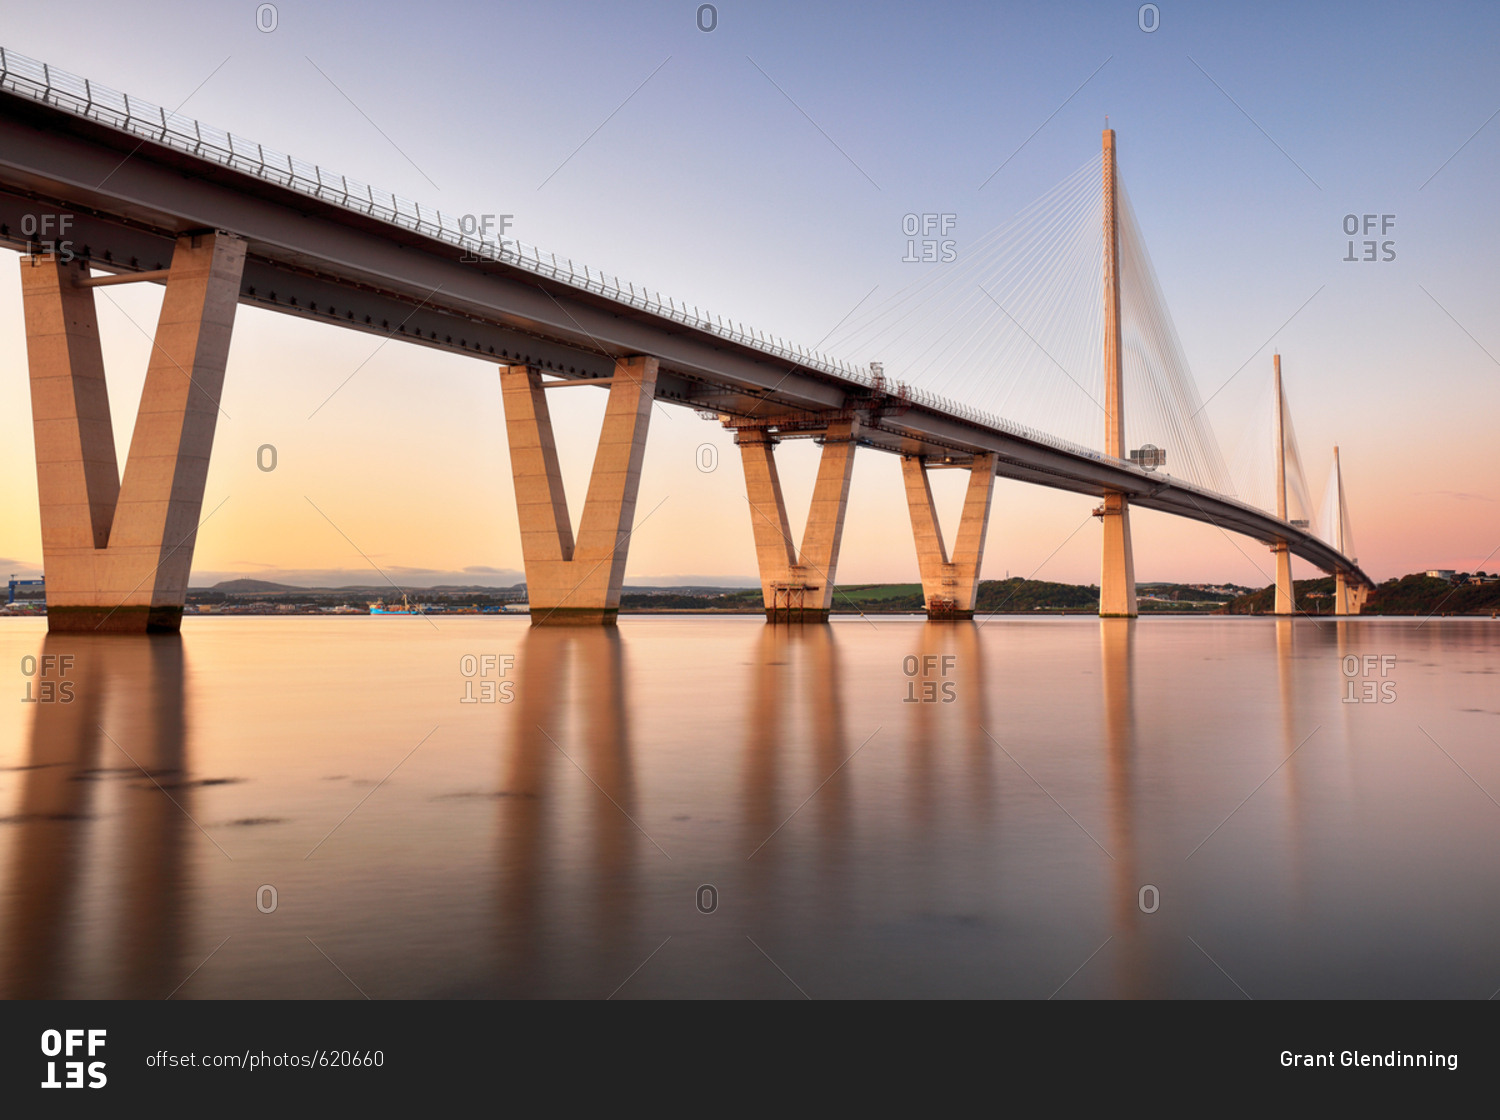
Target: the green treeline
pixel 1415 594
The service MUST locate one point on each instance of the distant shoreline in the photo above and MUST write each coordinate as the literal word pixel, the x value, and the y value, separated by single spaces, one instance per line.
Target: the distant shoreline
pixel 1418 596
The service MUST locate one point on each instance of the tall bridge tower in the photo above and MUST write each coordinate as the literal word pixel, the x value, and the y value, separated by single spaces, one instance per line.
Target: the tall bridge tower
pixel 1117 581
pixel 1286 602
pixel 1348 597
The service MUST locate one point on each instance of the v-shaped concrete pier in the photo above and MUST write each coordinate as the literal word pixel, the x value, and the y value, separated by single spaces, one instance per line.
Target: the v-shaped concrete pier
pixel 118 552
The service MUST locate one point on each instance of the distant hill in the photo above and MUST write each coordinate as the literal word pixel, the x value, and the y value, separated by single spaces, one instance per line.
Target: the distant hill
pixel 708 590
pixel 1421 594
pixel 1016 594
pixel 446 588
pixel 251 586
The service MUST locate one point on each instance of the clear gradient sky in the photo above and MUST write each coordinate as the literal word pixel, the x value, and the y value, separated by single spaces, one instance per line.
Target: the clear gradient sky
pixel 710 184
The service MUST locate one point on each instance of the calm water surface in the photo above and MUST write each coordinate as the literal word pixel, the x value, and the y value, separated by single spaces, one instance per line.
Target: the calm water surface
pixel 550 837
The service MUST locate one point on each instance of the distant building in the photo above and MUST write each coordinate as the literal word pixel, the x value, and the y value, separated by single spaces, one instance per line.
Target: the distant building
pixel 1441 573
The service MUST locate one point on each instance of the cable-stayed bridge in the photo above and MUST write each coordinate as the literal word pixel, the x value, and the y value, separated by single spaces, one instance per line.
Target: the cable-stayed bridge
pixel 99 188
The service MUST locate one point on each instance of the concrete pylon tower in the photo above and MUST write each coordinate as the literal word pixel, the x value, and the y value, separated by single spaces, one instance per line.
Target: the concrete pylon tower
pixel 1341 599
pixel 1285 599
pixel 1117 580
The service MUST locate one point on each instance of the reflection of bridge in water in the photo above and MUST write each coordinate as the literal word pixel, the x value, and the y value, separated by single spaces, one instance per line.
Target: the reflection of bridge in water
pixel 814 868
pixel 982 845
pixel 221 221
pixel 93 817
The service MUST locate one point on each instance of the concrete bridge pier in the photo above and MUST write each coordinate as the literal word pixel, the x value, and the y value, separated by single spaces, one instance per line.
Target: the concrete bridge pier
pixel 949 587
pixel 1347 599
pixel 568 580
pixel 1286 598
pixel 1117 577
pixel 118 552
pixel 798 586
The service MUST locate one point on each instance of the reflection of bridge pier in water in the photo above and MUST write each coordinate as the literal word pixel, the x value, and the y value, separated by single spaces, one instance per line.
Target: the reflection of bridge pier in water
pixel 570 700
pixel 51 830
pixel 1286 684
pixel 830 743
pixel 948 656
pixel 133 688
pixel 797 698
pixel 1299 739
pixel 1117 641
